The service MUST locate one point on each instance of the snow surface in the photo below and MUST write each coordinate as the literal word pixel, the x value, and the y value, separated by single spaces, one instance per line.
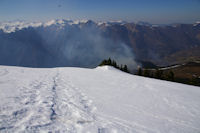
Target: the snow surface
pixel 13 26
pixel 197 23
pixel 170 67
pixel 100 100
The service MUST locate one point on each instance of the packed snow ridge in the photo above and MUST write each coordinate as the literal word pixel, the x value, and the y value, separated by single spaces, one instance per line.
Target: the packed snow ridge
pixel 100 100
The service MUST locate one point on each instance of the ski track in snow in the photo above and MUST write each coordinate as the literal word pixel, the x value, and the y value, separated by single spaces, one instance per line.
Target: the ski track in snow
pixel 51 102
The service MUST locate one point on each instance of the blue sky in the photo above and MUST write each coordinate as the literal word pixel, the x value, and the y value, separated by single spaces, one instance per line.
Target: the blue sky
pixel 153 11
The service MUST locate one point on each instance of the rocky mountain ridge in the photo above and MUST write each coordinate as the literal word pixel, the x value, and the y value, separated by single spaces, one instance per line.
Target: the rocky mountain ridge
pixel 85 43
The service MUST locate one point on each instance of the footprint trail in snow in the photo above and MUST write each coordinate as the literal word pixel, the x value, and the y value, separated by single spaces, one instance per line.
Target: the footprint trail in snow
pixel 101 100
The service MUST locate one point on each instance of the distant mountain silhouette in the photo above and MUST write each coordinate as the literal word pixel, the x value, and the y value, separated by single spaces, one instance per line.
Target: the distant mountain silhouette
pixel 86 44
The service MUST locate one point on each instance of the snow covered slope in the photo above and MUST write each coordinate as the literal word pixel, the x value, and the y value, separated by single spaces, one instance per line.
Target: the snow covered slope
pixel 101 100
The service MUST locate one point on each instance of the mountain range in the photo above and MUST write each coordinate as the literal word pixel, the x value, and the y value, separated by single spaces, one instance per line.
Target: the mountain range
pixel 86 43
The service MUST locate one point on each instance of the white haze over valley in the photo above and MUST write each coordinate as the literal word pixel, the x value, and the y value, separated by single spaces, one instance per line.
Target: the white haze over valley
pixel 69 43
pixel 85 43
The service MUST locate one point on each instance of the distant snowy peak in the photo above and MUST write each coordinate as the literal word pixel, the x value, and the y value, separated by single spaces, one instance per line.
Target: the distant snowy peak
pixel 109 23
pixel 64 22
pixel 54 22
pixel 144 23
pixel 197 23
pixel 12 26
pixel 121 22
